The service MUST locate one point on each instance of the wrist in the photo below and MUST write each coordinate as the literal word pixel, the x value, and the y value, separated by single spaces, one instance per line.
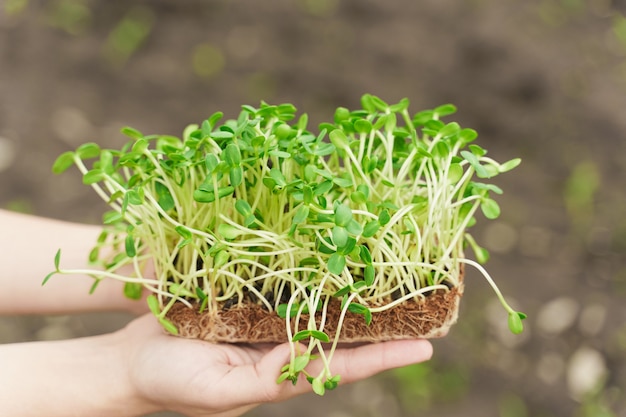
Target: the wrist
pixel 88 376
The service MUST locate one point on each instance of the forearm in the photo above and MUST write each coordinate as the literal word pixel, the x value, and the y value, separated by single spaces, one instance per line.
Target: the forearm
pixel 27 248
pixel 81 377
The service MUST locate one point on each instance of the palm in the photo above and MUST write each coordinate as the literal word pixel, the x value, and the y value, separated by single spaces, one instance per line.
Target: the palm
pixel 198 378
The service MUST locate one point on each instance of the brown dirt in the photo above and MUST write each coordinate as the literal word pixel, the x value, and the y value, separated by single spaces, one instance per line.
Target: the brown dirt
pixel 252 323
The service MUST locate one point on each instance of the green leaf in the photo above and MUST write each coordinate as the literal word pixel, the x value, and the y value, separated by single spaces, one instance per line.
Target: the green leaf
pixel 455 173
pixel 409 226
pixel 338 138
pixel 319 335
pixel 370 228
pixel 358 197
pixel 232 155
pixel 106 162
pixel 343 215
pixel 343 182
pixel 509 165
pixel 183 232
pixel 140 146
pixel 379 103
pixel 365 255
pixel 490 208
pixel 421 118
pixel 220 259
pixel 93 176
pixel 201 294
pixel 169 326
pixel 236 176
pixel 301 214
pixel 302 122
pixel 324 149
pixel 63 162
pixel 363 126
pixel 332 383
pixel 336 263
pixel 474 162
pixel 323 187
pixel 357 308
pixel 477 150
pixel 450 129
pixel 515 322
pixel 281 310
pixel 164 198
pixel 153 304
pixel 467 135
pixel 482 254
pixel 343 291
pixel 361 309
pixel 214 118
pixel 305 334
pixel 369 274
pixel 485 187
pixel 111 217
pixel 222 134
pixel 202 196
pixel 400 106
pixel 57 260
pixel 318 386
pixel 384 217
pixel 340 236
pixel 286 375
pixel 47 278
pixel 445 110
pixel 133 290
pixel 135 196
pixel 348 247
pixel 278 176
pixel 359 286
pixel 341 114
pixel 441 149
pixel 94 254
pixel 211 162
pixel 300 362
pixel 354 228
pixel 243 207
pixel 177 289
pixel 88 150
pixel 228 231
pixel 131 133
pixel 129 246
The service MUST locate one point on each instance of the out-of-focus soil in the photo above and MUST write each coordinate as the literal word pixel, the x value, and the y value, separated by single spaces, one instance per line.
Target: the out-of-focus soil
pixel 543 80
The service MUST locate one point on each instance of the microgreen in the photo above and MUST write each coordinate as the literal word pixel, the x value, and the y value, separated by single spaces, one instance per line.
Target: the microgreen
pixel 379 201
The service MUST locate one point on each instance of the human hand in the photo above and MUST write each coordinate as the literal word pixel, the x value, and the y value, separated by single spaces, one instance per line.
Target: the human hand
pixel 200 379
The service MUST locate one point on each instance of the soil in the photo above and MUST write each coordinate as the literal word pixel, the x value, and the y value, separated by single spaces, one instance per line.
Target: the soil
pixel 253 323
pixel 544 80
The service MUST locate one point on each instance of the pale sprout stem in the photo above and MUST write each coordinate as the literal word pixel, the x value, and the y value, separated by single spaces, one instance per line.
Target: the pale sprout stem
pixel 407 297
pixel 461 231
pixel 159 169
pixel 339 326
pixel 491 282
pixel 173 222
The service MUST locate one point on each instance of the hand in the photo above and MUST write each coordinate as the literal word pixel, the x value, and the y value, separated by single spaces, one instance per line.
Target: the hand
pixel 198 378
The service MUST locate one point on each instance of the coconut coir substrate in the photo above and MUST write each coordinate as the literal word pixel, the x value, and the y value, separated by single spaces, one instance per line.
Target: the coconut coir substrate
pixel 430 317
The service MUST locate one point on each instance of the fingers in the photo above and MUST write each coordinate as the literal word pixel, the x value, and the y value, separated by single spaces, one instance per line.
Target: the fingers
pixel 258 382
pixel 354 364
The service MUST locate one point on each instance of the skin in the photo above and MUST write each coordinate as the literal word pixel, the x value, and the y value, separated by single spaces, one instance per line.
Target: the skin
pixel 139 369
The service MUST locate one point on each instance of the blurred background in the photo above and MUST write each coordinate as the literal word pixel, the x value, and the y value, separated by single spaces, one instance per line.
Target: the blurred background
pixel 544 80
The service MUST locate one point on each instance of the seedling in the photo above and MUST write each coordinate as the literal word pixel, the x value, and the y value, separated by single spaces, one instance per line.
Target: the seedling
pixel 370 214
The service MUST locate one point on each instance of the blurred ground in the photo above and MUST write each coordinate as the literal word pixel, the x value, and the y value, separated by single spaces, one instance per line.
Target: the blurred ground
pixel 544 80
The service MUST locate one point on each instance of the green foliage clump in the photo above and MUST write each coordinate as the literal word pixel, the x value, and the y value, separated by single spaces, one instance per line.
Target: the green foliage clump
pixel 373 210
